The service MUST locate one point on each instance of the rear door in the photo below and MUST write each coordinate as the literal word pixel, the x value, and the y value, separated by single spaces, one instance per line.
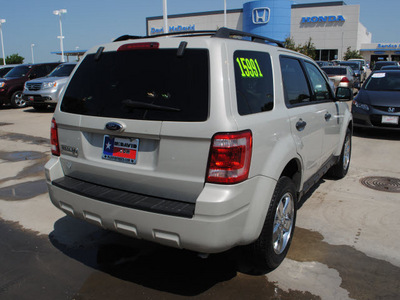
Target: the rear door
pixel 305 116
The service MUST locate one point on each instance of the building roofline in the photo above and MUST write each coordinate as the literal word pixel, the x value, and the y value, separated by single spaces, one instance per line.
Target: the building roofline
pixel 215 12
pixel 321 4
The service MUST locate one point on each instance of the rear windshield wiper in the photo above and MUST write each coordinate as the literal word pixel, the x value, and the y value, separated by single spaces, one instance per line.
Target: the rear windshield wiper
pixel 142 105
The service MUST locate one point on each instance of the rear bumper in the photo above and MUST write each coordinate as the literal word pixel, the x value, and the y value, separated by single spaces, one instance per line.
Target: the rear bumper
pixel 224 216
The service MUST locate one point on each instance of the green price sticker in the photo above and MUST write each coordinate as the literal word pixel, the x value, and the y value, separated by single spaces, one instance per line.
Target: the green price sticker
pixel 249 67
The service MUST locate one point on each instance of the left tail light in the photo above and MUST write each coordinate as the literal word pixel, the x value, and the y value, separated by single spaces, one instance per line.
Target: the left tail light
pixel 230 157
pixel 55 146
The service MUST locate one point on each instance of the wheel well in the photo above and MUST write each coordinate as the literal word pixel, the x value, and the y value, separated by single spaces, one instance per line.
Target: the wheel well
pixel 292 170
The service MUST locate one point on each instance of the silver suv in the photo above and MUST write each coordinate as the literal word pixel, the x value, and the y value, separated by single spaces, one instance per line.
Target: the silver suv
pixel 45 91
pixel 203 141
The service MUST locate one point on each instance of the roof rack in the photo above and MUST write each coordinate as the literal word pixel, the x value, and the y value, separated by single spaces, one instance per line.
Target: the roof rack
pixel 229 33
pixel 223 32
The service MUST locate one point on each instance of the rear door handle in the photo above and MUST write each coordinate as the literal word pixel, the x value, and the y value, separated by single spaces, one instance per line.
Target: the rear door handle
pixel 328 116
pixel 300 125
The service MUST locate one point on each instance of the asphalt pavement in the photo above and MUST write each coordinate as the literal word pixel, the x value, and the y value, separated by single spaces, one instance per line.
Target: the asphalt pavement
pixel 345 244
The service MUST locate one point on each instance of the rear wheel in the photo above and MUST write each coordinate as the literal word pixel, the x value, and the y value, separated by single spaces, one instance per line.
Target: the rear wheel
pixel 17 101
pixel 269 250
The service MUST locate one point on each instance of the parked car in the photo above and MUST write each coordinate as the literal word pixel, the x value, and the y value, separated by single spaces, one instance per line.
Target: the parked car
pixel 377 105
pixel 12 85
pixel 391 67
pixel 45 91
pixel 379 64
pixel 363 62
pixel 323 63
pixel 342 76
pixel 357 68
pixel 5 69
pixel 152 139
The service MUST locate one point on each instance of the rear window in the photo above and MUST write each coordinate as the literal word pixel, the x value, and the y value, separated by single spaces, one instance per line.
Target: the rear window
pixel 254 82
pixel 334 71
pixel 142 84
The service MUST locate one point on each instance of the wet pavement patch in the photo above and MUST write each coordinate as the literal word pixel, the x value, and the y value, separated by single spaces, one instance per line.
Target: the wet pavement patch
pixel 23 191
pixel 362 276
pixel 25 138
pixel 21 155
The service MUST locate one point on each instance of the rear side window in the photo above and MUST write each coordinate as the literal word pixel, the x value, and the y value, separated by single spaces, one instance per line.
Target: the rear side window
pixel 318 82
pixel 254 82
pixel 294 82
pixel 152 84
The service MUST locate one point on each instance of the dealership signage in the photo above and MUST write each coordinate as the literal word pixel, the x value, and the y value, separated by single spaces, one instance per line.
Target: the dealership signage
pixel 173 29
pixel 322 19
pixel 388 46
pixel 261 15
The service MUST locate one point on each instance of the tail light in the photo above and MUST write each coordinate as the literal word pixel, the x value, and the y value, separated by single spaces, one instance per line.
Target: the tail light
pixel 139 46
pixel 55 146
pixel 230 157
pixel 345 79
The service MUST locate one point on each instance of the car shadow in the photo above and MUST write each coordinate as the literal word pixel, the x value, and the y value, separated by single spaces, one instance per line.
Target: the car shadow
pixel 376 134
pixel 44 110
pixel 154 266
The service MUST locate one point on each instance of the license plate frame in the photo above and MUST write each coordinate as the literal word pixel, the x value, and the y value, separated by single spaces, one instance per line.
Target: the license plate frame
pixel 390 120
pixel 120 149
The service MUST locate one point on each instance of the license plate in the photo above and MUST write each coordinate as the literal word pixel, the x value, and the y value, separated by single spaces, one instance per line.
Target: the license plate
pixel 120 149
pixel 390 119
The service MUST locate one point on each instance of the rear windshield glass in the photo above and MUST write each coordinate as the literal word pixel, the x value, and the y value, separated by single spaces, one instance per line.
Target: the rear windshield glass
pixel 254 82
pixel 354 66
pixel 335 71
pixel 141 84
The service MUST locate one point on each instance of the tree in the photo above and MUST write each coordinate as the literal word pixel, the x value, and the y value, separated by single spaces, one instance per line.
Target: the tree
pixel 13 59
pixel 351 54
pixel 307 48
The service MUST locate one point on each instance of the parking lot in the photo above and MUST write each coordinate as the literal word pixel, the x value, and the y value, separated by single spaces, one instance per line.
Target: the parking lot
pixel 345 245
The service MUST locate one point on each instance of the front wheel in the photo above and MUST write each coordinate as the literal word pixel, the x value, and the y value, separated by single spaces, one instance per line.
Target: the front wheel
pixel 17 101
pixel 271 247
pixel 340 169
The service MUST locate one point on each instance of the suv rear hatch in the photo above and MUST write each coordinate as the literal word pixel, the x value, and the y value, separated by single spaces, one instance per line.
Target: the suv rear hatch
pixel 131 120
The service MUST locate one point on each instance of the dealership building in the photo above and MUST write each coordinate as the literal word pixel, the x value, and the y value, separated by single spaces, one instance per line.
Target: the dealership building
pixel 332 26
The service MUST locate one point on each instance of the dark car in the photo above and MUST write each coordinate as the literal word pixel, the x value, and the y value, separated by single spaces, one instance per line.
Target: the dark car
pixel 379 64
pixel 12 85
pixel 377 105
pixel 357 68
pixel 390 67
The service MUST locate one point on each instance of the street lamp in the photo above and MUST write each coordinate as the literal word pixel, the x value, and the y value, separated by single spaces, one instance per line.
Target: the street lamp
pixel 2 44
pixel 33 59
pixel 59 12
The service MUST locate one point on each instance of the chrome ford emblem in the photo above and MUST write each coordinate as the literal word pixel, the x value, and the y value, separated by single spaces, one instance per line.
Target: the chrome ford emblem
pixel 114 126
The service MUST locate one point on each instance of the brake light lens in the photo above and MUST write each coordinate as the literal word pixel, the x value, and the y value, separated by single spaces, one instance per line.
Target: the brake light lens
pixel 345 79
pixel 55 146
pixel 230 157
pixel 139 46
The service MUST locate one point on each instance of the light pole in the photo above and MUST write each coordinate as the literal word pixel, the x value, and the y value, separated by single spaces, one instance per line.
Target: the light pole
pixel 59 12
pixel 165 16
pixel 33 59
pixel 2 44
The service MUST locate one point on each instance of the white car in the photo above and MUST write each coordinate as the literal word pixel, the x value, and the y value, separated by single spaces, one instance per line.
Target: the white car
pixel 201 142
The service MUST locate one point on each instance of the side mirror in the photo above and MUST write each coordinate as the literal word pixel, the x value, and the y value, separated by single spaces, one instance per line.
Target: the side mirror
pixel 344 94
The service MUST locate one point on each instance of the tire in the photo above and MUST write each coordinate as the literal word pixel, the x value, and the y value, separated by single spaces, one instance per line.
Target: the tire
pixel 17 101
pixel 340 169
pixel 271 247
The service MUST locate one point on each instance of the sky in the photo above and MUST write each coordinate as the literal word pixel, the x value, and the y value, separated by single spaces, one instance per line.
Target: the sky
pixel 92 22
